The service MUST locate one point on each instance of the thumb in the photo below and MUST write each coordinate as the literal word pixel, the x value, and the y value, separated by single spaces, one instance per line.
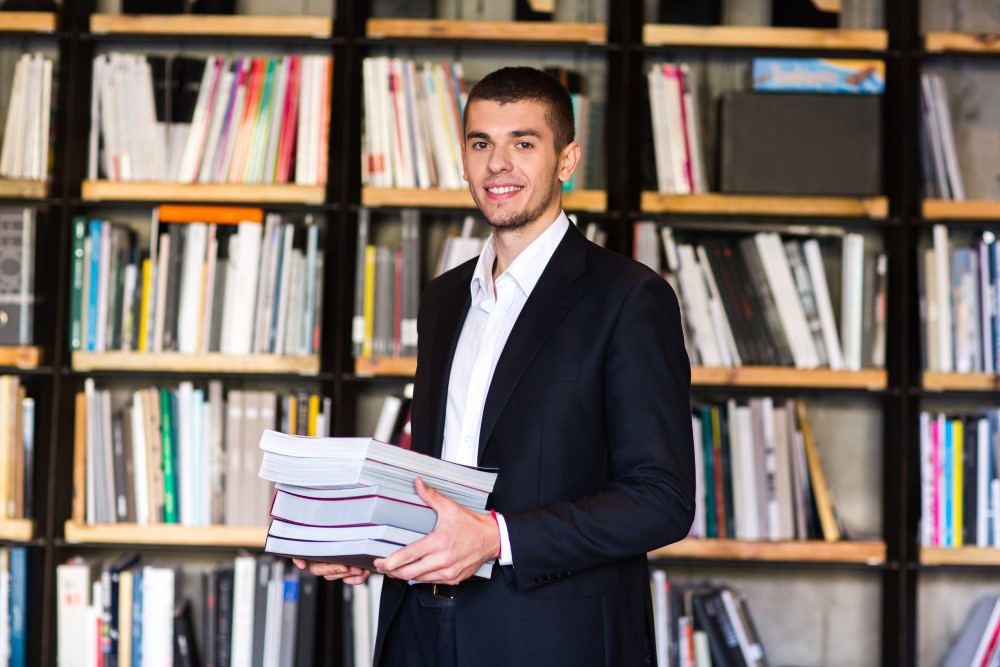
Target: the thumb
pixel 428 494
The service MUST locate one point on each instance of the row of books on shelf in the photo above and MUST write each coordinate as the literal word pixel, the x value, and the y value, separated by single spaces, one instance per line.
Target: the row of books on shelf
pixel 25 151
pixel 960 483
pixel 764 299
pixel 680 163
pixel 185 456
pixel 758 473
pixel 213 280
pixel 210 120
pixel 938 158
pixel 253 610
pixel 960 303
pixel 700 624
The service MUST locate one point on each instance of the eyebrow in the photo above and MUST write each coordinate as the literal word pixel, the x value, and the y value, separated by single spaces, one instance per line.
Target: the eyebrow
pixel 514 134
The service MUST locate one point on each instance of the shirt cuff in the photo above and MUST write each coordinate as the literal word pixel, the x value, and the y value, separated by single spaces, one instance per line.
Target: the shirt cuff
pixel 506 557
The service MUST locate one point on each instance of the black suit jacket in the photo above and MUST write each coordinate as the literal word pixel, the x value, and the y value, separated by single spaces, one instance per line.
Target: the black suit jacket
pixel 588 420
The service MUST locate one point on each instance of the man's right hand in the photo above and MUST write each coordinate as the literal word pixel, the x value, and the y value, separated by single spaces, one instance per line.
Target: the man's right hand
pixel 332 572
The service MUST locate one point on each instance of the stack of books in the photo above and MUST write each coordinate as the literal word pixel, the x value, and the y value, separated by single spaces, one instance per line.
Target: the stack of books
pixel 351 500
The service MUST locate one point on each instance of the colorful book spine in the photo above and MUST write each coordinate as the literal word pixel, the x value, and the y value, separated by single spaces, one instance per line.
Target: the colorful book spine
pixel 76 288
pixel 170 509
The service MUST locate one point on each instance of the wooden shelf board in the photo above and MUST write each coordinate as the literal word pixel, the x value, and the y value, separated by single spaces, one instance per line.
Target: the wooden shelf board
pixel 754 36
pixel 27 22
pixel 943 209
pixel 873 379
pixel 869 553
pixel 203 536
pixel 207 192
pixel 182 24
pixel 21 357
pixel 962 42
pixel 714 203
pixel 959 556
pixel 23 189
pixel 756 376
pixel 938 381
pixel 580 200
pixel 17 530
pixel 526 31
pixel 385 366
pixel 194 363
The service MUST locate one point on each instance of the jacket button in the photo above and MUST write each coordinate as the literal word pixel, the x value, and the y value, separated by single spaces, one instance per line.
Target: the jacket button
pixel 539 579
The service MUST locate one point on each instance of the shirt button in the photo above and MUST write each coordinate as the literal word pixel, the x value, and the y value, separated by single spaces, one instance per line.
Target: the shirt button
pixel 467 438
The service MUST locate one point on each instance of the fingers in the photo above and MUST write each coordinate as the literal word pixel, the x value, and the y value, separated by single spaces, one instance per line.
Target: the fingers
pixel 333 571
pixel 428 494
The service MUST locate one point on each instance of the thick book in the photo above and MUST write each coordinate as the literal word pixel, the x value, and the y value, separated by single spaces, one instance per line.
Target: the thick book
pixel 800 144
pixel 356 506
pixel 356 553
pixel 17 275
pixel 316 461
pixel 385 533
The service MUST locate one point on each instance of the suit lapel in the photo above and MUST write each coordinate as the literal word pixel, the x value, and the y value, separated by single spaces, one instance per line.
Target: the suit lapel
pixel 447 328
pixel 549 301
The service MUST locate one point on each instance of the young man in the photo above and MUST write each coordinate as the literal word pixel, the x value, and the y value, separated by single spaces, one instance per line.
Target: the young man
pixel 563 365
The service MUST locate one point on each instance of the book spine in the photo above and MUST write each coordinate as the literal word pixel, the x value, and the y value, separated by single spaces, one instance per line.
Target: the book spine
pixel 170 510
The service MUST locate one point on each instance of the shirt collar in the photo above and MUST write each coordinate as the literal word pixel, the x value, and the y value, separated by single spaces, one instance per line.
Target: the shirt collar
pixel 526 268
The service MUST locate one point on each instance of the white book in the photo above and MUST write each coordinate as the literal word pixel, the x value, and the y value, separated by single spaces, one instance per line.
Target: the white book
pixel 942 274
pixel 661 616
pixel 387 416
pixel 244 587
pixel 441 109
pixel 821 291
pixel 401 140
pixel 982 482
pixel 233 434
pixel 783 482
pixel 109 130
pixel 73 588
pixel 123 132
pixel 269 256
pixel 160 291
pixel 296 298
pixel 140 461
pixel 192 282
pixel 661 138
pixel 418 130
pixel 12 134
pixel 103 287
pixel 926 481
pixel 273 614
pixel 696 305
pixel 31 159
pixel 930 311
pixel 752 651
pixel 995 502
pixel 372 158
pixel 445 76
pixel 92 621
pixel 158 594
pixel 201 460
pixel 209 305
pixel 786 299
pixel 185 460
pixel 242 279
pixel 152 130
pixel 933 134
pixel 42 166
pixel 313 280
pixel 749 501
pixel 303 148
pixel 284 290
pixel 852 295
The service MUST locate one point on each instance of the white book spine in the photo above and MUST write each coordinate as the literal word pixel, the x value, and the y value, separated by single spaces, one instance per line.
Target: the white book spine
pixel 851 300
pixel 982 481
pixel 219 110
pixel 73 589
pixel 790 312
pixel 140 462
pixel 245 284
pixel 11 134
pixel 942 256
pixel 158 617
pixel 926 482
pixel 243 605
pixel 696 305
pixel 185 454
pixel 192 281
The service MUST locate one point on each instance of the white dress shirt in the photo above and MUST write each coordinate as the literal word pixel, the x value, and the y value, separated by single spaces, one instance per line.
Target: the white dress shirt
pixel 494 310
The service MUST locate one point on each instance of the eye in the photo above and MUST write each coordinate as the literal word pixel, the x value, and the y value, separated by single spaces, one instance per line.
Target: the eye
pixel 525 144
pixel 480 145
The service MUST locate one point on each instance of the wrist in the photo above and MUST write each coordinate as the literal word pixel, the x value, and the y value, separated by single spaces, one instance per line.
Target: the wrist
pixel 496 533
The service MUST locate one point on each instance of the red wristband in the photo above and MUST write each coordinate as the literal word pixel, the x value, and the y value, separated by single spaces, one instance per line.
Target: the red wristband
pixel 493 513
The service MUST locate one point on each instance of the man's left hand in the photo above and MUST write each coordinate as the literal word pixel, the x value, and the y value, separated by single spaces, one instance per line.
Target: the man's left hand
pixel 459 544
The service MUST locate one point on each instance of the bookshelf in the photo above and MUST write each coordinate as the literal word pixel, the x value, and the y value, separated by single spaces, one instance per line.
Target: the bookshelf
pixel 798 551
pixel 764 37
pixel 97 191
pixel 723 204
pixel 522 31
pixel 891 566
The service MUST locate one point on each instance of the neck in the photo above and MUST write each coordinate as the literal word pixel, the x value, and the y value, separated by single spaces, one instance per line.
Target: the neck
pixel 511 243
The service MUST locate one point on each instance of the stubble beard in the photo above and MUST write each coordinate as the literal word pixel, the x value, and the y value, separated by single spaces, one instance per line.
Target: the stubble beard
pixel 501 221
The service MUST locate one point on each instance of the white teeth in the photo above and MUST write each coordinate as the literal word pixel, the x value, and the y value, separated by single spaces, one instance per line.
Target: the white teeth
pixel 503 190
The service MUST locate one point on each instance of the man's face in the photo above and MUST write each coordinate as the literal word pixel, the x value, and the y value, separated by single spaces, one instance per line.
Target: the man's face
pixel 510 161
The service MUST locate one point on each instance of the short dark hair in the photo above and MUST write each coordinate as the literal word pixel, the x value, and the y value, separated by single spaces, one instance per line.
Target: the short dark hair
pixel 523 84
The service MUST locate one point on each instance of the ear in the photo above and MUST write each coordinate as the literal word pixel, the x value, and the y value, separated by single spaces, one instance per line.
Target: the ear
pixel 569 157
pixel 465 169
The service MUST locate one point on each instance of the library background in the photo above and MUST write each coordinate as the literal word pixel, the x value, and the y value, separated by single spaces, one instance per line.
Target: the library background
pixel 218 219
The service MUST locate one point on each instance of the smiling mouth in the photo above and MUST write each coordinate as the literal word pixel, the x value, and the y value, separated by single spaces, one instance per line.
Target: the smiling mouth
pixel 504 189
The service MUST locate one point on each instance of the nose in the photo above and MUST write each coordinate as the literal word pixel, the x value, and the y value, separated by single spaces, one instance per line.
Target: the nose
pixel 499 160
